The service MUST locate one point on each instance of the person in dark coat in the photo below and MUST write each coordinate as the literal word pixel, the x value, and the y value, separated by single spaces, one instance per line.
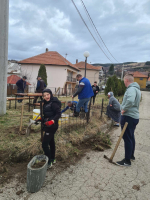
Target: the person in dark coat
pixel 21 85
pixel 52 113
pixel 39 88
pixel 113 109
pixel 95 90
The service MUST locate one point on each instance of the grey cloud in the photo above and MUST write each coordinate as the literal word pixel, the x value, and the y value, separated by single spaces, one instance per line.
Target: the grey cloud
pixel 36 24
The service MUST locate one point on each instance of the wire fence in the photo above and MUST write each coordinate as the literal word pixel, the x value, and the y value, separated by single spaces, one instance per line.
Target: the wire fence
pixel 68 122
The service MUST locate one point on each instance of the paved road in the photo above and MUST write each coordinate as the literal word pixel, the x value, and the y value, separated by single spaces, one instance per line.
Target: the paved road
pixel 96 178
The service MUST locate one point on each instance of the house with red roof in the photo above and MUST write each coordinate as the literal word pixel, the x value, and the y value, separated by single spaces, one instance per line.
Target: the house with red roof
pixel 93 73
pixel 13 80
pixel 11 84
pixel 60 72
pixel 140 78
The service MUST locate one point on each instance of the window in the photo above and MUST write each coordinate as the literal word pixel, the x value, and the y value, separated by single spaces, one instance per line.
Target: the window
pixel 141 79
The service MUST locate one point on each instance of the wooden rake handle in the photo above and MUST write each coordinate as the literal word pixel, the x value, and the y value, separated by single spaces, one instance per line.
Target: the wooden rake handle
pixel 118 142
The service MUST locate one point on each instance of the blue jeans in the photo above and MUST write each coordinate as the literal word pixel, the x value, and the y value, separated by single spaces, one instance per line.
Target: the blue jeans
pixel 84 103
pixel 129 140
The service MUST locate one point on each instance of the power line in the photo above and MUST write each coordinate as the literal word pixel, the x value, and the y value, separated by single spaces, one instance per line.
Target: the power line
pixel 89 30
pixel 96 28
pixel 102 45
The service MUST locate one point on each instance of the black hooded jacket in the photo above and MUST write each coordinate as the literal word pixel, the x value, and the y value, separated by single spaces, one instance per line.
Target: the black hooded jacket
pixel 52 110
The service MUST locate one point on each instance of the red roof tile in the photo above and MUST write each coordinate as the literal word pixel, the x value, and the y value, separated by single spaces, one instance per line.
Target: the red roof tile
pixel 139 75
pixel 48 58
pixel 13 79
pixel 81 65
pixel 100 67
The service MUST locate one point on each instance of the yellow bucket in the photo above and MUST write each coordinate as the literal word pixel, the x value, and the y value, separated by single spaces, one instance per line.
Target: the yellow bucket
pixel 64 119
pixel 36 112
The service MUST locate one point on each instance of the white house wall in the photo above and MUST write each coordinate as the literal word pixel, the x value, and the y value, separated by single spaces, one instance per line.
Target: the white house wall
pixel 92 75
pixel 56 75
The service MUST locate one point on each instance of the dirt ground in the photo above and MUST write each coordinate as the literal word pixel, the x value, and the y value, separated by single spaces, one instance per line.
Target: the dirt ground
pixel 11 169
pixel 16 150
pixel 93 177
pixel 13 178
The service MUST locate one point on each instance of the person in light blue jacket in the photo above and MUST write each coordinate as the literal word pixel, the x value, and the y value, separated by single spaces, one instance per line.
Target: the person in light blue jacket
pixel 130 114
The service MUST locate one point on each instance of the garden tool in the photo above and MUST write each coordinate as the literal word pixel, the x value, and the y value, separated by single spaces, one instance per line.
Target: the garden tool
pixel 29 126
pixel 116 147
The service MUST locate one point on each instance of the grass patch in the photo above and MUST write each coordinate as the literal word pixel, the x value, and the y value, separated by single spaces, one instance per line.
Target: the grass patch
pixel 17 146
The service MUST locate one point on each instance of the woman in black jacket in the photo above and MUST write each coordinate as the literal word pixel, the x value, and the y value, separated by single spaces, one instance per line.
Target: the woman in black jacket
pixel 51 112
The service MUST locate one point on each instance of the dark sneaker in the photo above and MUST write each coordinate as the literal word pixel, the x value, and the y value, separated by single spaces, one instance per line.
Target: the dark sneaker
pixel 132 158
pixel 76 114
pixel 116 124
pixel 124 162
pixel 82 115
pixel 49 165
pixel 54 161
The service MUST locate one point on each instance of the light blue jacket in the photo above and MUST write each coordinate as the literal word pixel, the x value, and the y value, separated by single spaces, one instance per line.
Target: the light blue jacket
pixel 131 101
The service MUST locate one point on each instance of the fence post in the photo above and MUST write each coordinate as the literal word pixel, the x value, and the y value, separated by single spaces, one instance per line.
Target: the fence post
pixel 41 113
pixel 22 108
pixel 88 114
pixel 11 89
pixel 102 107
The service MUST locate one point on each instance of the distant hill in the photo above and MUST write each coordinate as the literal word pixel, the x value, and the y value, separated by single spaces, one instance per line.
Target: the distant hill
pixel 129 66
pixel 103 65
pixel 108 64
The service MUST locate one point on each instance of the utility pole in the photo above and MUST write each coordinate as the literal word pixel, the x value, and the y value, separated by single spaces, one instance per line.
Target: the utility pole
pixel 4 13
pixel 122 72
pixel 105 77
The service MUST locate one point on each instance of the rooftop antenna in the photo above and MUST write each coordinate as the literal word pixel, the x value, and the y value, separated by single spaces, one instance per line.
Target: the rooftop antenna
pixel 66 55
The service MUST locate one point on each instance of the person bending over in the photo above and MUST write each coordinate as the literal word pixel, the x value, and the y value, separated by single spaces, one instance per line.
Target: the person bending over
pixel 70 105
pixel 84 93
pixel 113 109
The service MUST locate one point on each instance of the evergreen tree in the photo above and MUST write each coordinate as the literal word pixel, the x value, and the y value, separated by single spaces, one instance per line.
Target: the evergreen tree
pixel 109 85
pixel 115 85
pixel 123 87
pixel 111 69
pixel 42 73
pixel 120 89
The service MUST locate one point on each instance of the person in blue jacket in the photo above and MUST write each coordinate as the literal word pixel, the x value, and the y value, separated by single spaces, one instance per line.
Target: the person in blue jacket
pixel 84 92
pixel 70 105
pixel 21 85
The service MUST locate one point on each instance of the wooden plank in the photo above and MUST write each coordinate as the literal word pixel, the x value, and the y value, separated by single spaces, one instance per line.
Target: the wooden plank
pixel 22 108
pixel 18 98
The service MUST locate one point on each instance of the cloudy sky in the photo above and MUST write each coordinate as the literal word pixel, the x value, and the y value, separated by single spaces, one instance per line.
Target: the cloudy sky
pixel 124 26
